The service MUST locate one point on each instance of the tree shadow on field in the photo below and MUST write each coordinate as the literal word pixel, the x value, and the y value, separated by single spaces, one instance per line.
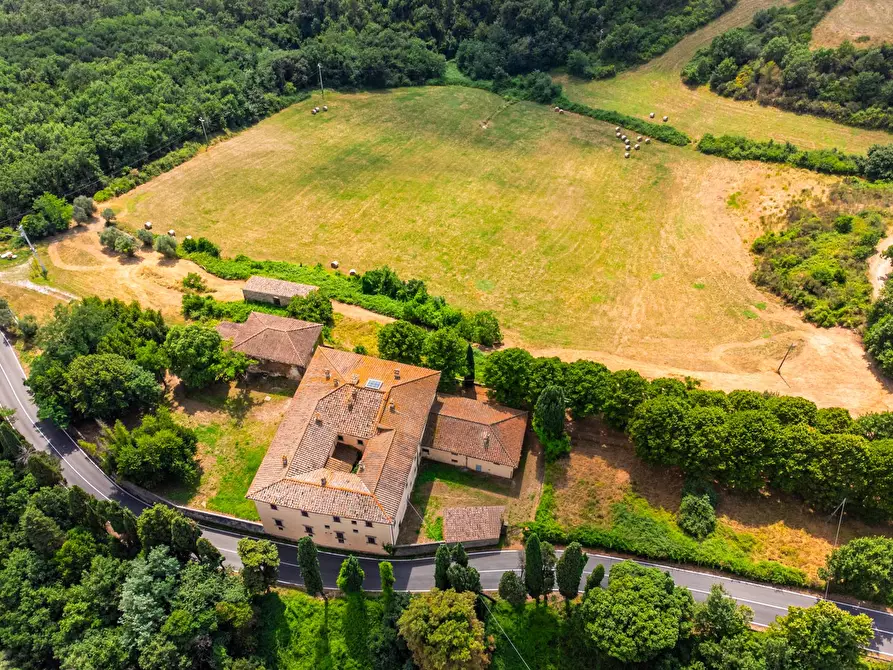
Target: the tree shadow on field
pixel 355 626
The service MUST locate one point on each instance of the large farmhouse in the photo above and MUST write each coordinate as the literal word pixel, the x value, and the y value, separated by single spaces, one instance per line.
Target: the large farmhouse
pixel 344 460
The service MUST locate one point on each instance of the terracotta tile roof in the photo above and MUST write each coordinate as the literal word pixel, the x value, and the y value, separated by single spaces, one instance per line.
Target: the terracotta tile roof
pixel 385 404
pixel 464 524
pixel 273 338
pixel 481 430
pixel 278 287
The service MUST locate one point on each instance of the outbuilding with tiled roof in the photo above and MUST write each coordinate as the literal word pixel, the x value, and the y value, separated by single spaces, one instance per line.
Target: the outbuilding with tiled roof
pixel 274 291
pixel 281 346
pixel 473 526
pixel 469 433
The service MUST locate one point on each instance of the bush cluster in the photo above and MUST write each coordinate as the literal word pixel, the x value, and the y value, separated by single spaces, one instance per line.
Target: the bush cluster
pixel 818 263
pixel 114 239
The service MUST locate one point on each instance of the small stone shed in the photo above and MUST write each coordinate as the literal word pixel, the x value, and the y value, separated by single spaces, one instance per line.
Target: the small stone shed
pixel 274 291
pixel 282 347
pixel 473 526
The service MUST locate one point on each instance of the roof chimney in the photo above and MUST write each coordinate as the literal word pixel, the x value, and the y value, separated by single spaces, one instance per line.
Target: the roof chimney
pixel 318 418
pixel 486 441
pixel 361 467
pixel 336 382
pixel 355 379
pixel 392 407
pixel 396 373
pixel 284 461
pixel 328 373
pixel 323 481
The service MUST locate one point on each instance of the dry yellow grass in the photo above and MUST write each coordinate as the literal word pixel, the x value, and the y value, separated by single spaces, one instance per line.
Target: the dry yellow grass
pixel 856 20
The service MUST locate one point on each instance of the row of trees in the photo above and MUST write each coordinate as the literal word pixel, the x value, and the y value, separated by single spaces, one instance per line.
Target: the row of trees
pixel 744 440
pixel 442 349
pixel 771 61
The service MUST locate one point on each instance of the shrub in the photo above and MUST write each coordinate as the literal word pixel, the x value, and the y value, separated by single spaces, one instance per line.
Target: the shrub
pixel 863 567
pixel 146 237
pixel 578 64
pixel 200 246
pixel 511 589
pixel 697 516
pixel 166 246
pixel 28 327
pixel 315 307
pixel 117 240
pixel 194 282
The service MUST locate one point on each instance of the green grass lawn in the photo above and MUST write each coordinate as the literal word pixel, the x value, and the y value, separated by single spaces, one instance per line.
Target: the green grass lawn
pixel 235 426
pixel 537 217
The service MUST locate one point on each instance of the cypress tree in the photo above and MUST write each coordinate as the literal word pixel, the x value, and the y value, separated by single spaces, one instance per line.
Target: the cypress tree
pixel 442 560
pixel 351 575
pixel 469 366
pixel 459 555
pixel 569 571
pixel 309 563
pixel 594 580
pixel 533 567
pixel 549 413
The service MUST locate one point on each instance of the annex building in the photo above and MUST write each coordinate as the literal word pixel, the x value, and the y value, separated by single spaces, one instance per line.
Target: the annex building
pixel 345 457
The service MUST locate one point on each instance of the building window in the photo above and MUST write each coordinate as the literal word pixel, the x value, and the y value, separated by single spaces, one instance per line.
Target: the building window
pixel 370 539
pixel 339 537
pixel 353 522
pixel 308 530
pixel 426 451
pixel 328 527
pixel 477 467
pixel 355 530
pixel 360 442
pixel 368 524
pixel 455 461
pixel 279 523
pixel 341 438
pixel 336 519
pixel 303 513
pixel 272 506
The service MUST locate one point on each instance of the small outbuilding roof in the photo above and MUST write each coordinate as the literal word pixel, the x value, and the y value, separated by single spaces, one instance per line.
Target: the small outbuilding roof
pixel 273 338
pixel 278 287
pixel 466 524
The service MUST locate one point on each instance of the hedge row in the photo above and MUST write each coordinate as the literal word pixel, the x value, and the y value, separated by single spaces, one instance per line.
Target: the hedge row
pixel 428 311
pixel 660 132
pixel 827 161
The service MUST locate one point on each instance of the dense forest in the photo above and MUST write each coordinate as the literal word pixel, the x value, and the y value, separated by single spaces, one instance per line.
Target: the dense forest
pixel 91 90
pixel 770 61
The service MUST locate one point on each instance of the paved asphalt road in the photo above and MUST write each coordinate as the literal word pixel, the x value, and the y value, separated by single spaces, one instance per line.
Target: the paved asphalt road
pixel 417 574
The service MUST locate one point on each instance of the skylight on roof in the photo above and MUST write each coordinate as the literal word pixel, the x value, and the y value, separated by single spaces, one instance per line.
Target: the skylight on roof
pixel 375 384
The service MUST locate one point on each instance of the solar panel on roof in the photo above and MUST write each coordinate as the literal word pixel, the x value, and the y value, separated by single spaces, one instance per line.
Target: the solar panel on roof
pixel 373 384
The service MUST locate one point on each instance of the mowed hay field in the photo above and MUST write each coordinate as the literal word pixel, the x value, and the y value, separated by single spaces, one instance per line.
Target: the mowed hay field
pixel 856 20
pixel 538 217
pixel 657 87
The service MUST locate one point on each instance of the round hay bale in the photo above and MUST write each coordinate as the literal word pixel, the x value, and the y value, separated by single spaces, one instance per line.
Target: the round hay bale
pixel 626 155
pixel 639 138
pixel 334 264
pixel 325 108
pixel 557 108
pixel 617 134
pixel 147 225
pixel 624 137
pixel 637 147
pixel 353 272
pixel 313 111
pixel 561 111
pixel 666 118
pixel 188 237
pixel 617 129
pixel 172 233
pixel 651 115
pixel 647 140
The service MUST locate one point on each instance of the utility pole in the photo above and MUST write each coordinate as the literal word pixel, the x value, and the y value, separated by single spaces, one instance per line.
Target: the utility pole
pixel 201 120
pixel 786 354
pixel 33 250
pixel 321 87
pixel 842 508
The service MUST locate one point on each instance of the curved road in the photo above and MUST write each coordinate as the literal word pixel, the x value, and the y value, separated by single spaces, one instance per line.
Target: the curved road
pixel 415 574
